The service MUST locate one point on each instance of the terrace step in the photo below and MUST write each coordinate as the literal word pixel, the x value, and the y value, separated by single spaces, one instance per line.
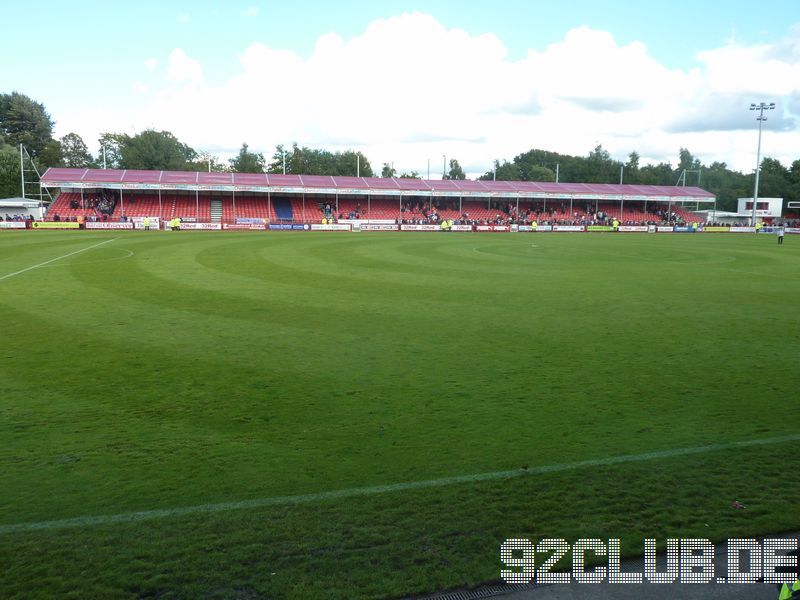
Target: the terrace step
pixel 216 210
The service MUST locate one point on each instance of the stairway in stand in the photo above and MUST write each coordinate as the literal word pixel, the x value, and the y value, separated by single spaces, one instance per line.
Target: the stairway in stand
pixel 216 210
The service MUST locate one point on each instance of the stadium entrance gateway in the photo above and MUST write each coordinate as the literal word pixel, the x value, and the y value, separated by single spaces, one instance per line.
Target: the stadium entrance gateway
pixel 260 198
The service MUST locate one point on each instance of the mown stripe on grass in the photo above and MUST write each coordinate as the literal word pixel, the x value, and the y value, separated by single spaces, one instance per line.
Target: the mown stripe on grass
pixel 88 521
pixel 47 262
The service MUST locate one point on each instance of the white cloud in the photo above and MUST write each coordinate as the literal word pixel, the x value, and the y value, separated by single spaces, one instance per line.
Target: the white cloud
pixel 182 69
pixel 409 88
pixel 250 11
pixel 151 64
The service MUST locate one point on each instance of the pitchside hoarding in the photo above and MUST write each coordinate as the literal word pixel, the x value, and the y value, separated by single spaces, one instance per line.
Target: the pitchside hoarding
pixel 196 226
pixel 330 227
pixel 108 225
pixel 419 228
pixel 244 227
pixel 54 225
pixel 376 227
pixel 287 227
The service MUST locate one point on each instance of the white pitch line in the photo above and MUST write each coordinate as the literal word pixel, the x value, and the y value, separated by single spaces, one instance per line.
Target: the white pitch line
pixel 88 521
pixel 130 253
pixel 47 262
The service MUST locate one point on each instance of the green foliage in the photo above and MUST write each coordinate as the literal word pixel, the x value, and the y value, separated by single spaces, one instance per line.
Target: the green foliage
pixel 9 172
pixel 687 161
pixel 633 161
pixel 74 151
pixel 154 150
pixel 539 165
pixel 248 162
pixel 25 121
pixel 410 175
pixel 309 161
pixel 507 171
pixel 773 180
pixel 388 171
pixel 455 171
pixel 52 155
pixel 150 149
pixel 111 145
pixel 201 163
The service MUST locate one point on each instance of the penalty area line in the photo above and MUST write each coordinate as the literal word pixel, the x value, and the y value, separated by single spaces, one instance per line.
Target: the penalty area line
pixel 89 521
pixel 47 262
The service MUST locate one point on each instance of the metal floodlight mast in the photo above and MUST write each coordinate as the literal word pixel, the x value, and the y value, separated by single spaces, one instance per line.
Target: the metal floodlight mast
pixel 760 107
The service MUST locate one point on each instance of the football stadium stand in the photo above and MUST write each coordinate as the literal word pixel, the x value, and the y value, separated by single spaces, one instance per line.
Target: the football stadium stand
pixel 120 194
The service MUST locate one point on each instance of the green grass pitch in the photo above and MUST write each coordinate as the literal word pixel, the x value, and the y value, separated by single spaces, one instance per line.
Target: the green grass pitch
pixel 164 370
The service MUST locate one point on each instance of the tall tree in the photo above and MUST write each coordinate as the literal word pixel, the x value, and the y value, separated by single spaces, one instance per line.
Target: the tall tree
pixel 111 145
pixel 248 162
pixel 351 162
pixel 206 161
pixel 9 171
pixel 601 168
pixel 25 121
pixel 388 171
pixel 157 150
pixel 74 151
pixel 631 174
pixel 311 161
pixel 279 159
pixel 687 161
pixel 540 173
pixel 51 155
pixel 505 171
pixel 774 179
pixel 455 172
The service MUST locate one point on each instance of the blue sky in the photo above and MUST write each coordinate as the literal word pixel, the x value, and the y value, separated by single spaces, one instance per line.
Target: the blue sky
pixel 100 66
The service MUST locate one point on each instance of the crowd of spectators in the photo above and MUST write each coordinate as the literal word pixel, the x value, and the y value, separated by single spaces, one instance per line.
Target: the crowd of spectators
pixel 424 211
pixel 101 204
pixel 17 217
